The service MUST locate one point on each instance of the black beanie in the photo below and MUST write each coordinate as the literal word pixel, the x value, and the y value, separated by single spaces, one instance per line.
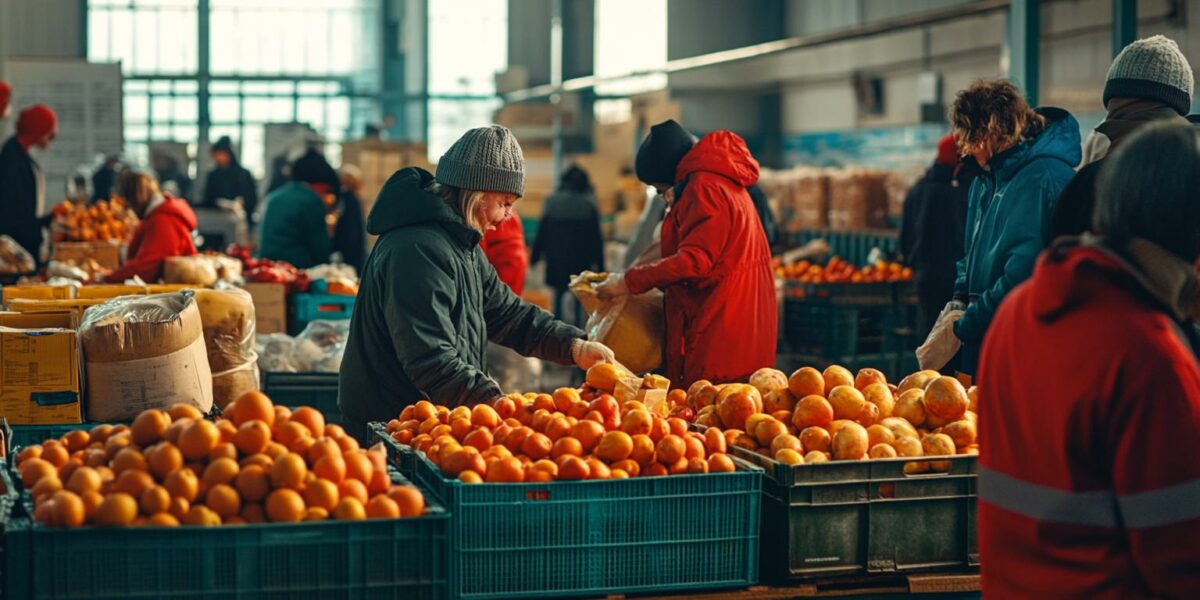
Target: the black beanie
pixel 313 168
pixel 660 154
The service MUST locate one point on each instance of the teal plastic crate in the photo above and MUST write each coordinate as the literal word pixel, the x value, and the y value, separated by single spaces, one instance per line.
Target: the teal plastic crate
pixel 399 559
pixel 866 517
pixel 25 435
pixel 851 246
pixel 318 390
pixel 597 538
pixel 306 308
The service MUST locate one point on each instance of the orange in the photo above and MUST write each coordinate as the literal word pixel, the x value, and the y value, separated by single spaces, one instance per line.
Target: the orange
pixel 514 440
pixel 815 439
pixel 285 506
pixel 480 439
pixel 850 442
pixel 154 500
pixel 321 493
pixel 946 398
pixel 76 440
pixel 331 468
pixel 183 484
pixel 179 508
pixel 198 439
pixel 409 499
pixel 223 500
pixel 694 448
pixel 464 459
pixel 315 513
pixel 470 477
pixel 505 407
pixel 671 449
pixel 28 452
pixel 643 449
pixel 95 457
pixel 423 410
pixel 133 482
pixel 310 418
pixel 348 443
pixel 251 406
pixel 228 430
pixel 64 472
pixel 201 515
pixel 588 433
pixel 83 480
pixel 175 429
pixel 564 397
pixel 117 510
pixel 181 410
pixel 627 466
pixel 382 507
pixel 68 509
pixel 288 471
pixel 162 459
pixel 720 463
pixel 505 470
pixel 459 428
pixel 252 437
pixel 262 460
pixel 637 421
pixel 254 513
pixel 543 402
pixel 91 501
pixel 536 446
pixel 128 458
pixel 333 430
pixel 604 376
pixel 350 509
pixel 275 450
pixel 100 433
pixel 620 474
pixel 483 415
pixel 302 444
pixel 836 375
pixel 659 429
pixel 353 488
pixel 567 446
pixel 252 483
pixel 615 446
pixel 163 520
pixel 222 470
pixel 557 428
pixel 45 488
pixel 56 454
pixel 677 426
pixel 806 381
pixel 112 445
pixel 149 426
pixel 599 470
pixel 358 466
pixel 574 468
pixel 714 441
pixel 291 431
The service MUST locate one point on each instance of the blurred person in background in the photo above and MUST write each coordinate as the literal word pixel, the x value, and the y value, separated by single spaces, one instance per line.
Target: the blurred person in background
pixel 504 247
pixel 105 177
pixel 430 302
pixel 569 238
pixel 715 270
pixel 294 228
pixel 1089 474
pixel 350 233
pixel 22 183
pixel 229 180
pixel 171 176
pixel 78 189
pixel 5 100
pixel 931 233
pixel 165 229
pixel 1149 82
pixel 1026 157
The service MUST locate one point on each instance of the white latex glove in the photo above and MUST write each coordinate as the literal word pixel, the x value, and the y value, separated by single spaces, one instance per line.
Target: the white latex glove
pixel 588 354
pixel 613 287
pixel 942 344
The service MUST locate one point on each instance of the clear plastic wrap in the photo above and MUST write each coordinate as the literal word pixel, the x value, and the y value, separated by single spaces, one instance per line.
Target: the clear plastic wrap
pixel 318 349
pixel 632 326
pixel 229 338
pixel 202 269
pixel 144 352
pixel 13 258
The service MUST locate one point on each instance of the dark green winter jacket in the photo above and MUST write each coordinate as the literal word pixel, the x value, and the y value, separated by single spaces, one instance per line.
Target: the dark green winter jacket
pixel 293 228
pixel 428 303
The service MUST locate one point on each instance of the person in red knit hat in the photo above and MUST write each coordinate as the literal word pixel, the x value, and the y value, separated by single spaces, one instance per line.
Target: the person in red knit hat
pixel 5 97
pixel 165 229
pixel 23 196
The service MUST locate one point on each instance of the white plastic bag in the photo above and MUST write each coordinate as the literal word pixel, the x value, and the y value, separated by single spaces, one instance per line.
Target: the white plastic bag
pixel 942 344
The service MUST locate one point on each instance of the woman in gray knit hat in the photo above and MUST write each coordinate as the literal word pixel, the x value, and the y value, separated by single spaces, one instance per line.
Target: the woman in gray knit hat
pixel 430 301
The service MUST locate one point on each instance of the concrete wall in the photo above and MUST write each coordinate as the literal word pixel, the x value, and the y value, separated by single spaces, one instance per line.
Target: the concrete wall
pixel 701 26
pixel 42 28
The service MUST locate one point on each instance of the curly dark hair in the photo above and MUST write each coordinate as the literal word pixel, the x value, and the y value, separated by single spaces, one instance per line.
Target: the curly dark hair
pixel 993 113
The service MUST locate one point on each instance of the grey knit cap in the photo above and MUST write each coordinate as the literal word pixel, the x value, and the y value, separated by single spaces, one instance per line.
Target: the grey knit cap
pixel 485 159
pixel 1152 68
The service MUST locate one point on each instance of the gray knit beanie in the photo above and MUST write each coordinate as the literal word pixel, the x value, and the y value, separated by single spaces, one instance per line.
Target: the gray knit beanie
pixel 485 159
pixel 1152 68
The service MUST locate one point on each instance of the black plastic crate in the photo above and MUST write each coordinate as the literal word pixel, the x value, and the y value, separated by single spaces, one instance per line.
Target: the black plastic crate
pixel 865 517
pixel 318 390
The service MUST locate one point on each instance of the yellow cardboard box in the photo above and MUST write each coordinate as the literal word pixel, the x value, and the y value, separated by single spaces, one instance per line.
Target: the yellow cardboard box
pixel 77 307
pixel 105 292
pixel 109 255
pixel 39 369
pixel 37 292
pixel 270 306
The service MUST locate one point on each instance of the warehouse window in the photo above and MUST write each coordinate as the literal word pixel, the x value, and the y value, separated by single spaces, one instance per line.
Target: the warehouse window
pixel 625 46
pixel 467 45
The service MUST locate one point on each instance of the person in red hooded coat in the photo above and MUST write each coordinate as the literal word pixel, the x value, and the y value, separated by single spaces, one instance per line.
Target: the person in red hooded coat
pixel 165 229
pixel 504 247
pixel 715 272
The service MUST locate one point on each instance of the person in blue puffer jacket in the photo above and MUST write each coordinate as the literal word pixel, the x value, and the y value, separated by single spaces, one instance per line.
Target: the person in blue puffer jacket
pixel 1026 157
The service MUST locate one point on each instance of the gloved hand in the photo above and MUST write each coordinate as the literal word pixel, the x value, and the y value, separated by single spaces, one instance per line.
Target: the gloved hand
pixel 588 354
pixel 613 287
pixel 942 344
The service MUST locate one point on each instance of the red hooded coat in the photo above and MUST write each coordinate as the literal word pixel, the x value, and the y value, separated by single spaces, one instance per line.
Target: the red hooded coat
pixel 504 247
pixel 1089 483
pixel 165 232
pixel 719 292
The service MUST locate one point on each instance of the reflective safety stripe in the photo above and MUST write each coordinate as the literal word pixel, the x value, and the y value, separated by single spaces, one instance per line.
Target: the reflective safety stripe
pixel 1098 509
pixel 1156 508
pixel 1164 506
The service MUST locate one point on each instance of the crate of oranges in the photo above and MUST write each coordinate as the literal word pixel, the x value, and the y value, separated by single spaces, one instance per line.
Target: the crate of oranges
pixel 556 495
pixel 261 499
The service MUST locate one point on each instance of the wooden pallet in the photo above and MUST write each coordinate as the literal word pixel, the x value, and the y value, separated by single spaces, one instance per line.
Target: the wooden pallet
pixel 929 583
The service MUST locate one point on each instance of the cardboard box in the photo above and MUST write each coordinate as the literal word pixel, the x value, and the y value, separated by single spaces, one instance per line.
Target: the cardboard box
pixel 36 292
pixel 76 307
pixel 104 292
pixel 107 254
pixel 270 306
pixel 615 140
pixel 39 369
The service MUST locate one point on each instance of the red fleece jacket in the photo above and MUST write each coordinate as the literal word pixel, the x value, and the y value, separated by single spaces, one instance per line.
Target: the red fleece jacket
pixel 165 232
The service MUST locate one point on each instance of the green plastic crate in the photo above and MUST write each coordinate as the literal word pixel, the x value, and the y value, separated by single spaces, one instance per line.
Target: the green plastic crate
pixel 399 558
pixel 24 435
pixel 318 390
pixel 597 538
pixel 865 517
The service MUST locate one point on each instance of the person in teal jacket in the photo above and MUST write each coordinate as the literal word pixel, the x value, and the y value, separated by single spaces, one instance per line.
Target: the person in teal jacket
pixel 293 228
pixel 1026 158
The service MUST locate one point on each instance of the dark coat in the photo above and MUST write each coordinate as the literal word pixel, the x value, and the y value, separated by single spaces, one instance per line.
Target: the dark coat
pixel 763 207
pixel 350 236
pixel 931 237
pixel 231 182
pixel 18 198
pixel 293 228
pixel 428 304
pixel 568 237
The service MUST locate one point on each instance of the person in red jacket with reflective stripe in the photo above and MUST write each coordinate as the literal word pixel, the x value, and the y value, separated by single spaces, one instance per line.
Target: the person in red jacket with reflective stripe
pixel 1089 483
pixel 504 247
pixel 719 291
pixel 165 229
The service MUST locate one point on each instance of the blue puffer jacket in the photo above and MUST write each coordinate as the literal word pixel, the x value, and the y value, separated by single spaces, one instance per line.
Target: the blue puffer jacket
pixel 1006 209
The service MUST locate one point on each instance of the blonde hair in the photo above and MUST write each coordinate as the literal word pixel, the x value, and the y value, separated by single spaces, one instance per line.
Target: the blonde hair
pixel 993 113
pixel 138 188
pixel 463 201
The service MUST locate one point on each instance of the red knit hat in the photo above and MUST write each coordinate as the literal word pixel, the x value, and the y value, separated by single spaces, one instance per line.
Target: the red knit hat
pixel 35 122
pixel 947 151
pixel 5 96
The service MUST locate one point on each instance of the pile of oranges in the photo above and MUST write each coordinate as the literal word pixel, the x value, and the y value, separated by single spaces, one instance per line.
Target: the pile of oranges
pixel 260 463
pixel 103 221
pixel 815 416
pixel 840 271
pixel 558 437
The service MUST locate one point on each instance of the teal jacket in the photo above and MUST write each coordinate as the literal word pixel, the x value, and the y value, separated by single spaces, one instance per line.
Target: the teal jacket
pixel 293 228
pixel 1007 207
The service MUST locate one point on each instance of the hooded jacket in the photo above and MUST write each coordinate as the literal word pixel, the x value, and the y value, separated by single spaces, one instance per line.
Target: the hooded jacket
pixel 428 304
pixel 1007 209
pixel 231 182
pixel 18 198
pixel 165 232
pixel 569 237
pixel 1089 483
pixel 719 291
pixel 504 248
pixel 293 228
